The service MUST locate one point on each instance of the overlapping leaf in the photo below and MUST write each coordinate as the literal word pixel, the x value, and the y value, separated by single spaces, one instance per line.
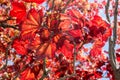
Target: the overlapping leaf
pixel 20 46
pixel 30 24
pixel 18 11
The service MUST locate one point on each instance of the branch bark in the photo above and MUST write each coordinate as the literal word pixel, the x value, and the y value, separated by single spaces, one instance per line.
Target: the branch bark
pixel 6 54
pixel 4 25
pixel 112 41
pixel 45 73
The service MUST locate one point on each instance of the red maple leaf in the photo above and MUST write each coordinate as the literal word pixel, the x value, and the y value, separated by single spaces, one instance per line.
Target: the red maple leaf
pixel 20 46
pixel 118 57
pixel 46 49
pixel 76 33
pixel 2 47
pixel 98 22
pixel 31 24
pixel 18 11
pixel 67 49
pixel 98 26
pixel 36 1
pixel 95 52
pixel 27 74
pixel 108 33
pixel 118 50
pixel 75 13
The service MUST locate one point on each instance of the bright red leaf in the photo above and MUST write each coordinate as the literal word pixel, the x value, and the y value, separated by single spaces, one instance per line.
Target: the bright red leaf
pixel 95 52
pixel 76 33
pixel 36 1
pixel 20 46
pixel 118 57
pixel 98 22
pixel 18 11
pixel 67 49
pixel 27 75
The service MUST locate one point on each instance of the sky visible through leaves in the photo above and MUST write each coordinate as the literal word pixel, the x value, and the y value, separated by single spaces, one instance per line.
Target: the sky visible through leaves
pixel 88 46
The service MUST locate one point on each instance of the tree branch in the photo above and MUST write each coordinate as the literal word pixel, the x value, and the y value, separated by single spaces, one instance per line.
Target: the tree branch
pixel 45 73
pixel 4 25
pixel 115 23
pixel 111 54
pixel 106 10
pixel 67 76
pixel 66 6
pixel 6 53
pixel 112 41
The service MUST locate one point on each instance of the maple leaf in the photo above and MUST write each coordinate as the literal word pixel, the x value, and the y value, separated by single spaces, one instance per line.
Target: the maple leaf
pixel 95 52
pixel 75 13
pixel 46 49
pixel 98 74
pixel 2 47
pixel 107 34
pixel 97 26
pixel 99 22
pixel 118 50
pixel 77 19
pixel 31 24
pixel 118 57
pixel 67 49
pixel 18 11
pixel 65 25
pixel 35 1
pixel 27 74
pixel 76 33
pixel 20 46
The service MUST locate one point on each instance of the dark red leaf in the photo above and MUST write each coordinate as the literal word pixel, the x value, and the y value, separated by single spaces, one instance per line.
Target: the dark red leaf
pixel 118 57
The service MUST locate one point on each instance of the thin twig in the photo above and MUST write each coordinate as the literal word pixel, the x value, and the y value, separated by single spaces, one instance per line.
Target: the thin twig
pixel 112 42
pixel 20 71
pixel 115 27
pixel 106 10
pixel 74 59
pixel 111 55
pixel 45 73
pixel 4 25
pixel 67 76
pixel 66 6
pixel 6 53
pixel 115 23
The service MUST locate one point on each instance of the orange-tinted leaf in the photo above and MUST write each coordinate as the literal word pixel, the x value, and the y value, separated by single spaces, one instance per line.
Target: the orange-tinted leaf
pixel 27 75
pixel 64 17
pixel 65 25
pixel 47 49
pixel 75 13
pixel 30 24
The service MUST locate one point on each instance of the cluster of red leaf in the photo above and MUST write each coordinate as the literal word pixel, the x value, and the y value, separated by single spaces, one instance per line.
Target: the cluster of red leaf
pixel 56 35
